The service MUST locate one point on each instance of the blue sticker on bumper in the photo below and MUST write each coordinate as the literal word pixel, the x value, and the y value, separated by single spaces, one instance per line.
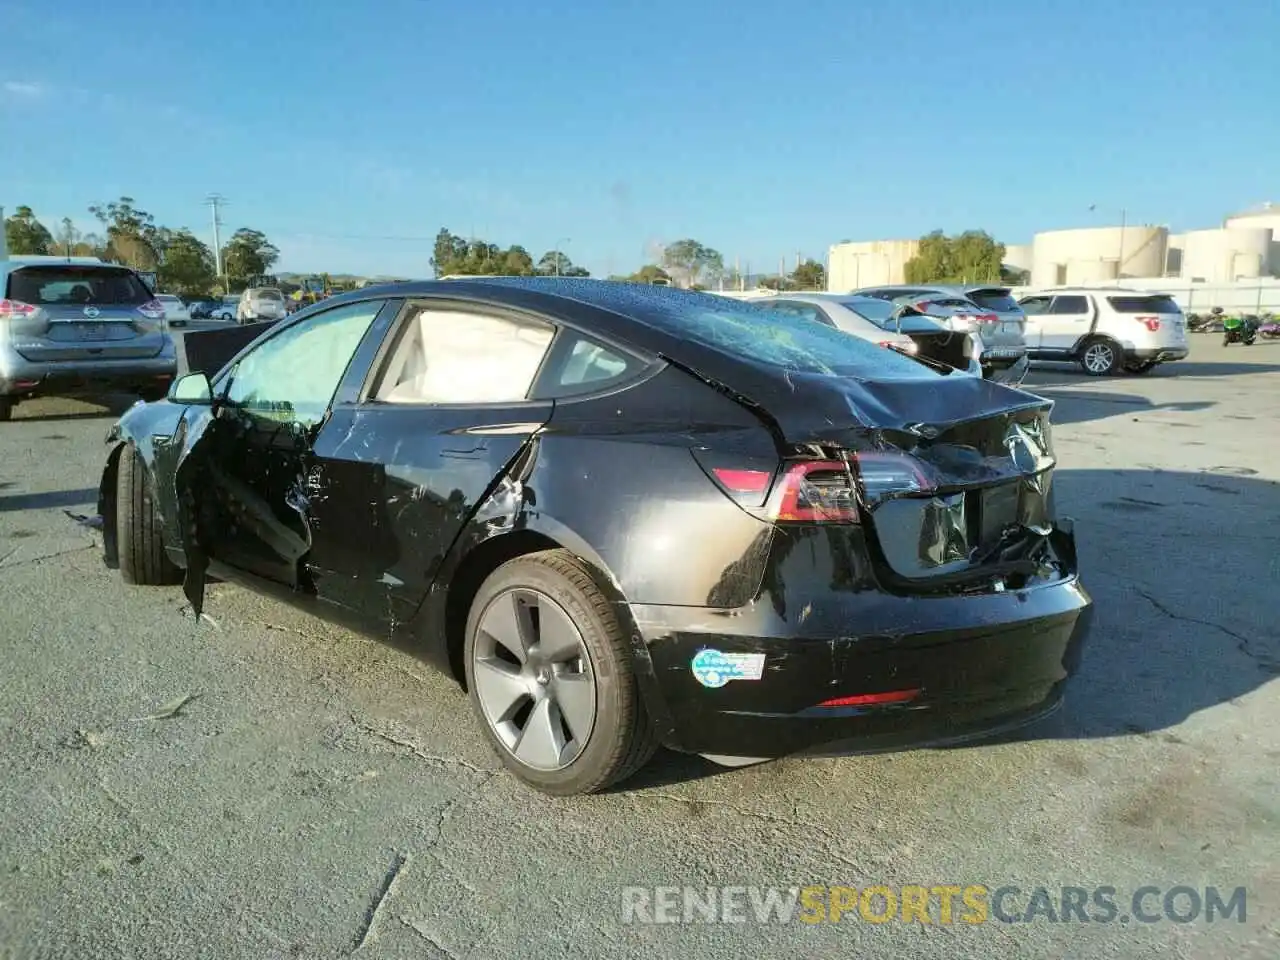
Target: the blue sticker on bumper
pixel 714 669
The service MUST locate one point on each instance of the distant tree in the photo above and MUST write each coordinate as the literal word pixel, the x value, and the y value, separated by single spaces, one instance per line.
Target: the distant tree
pixel 810 275
pixel 690 262
pixel 448 254
pixel 188 268
pixel 971 257
pixel 131 234
pixel 649 273
pixel 24 234
pixel 248 254
pixel 557 264
pixel 517 262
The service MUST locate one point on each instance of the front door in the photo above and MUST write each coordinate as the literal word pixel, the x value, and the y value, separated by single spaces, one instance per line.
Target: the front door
pixel 1068 321
pixel 243 476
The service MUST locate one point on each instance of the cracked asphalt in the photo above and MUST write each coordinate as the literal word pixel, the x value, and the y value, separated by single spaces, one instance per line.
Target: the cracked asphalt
pixel 322 794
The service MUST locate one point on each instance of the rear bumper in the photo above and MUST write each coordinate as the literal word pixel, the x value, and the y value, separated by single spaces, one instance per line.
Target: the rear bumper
pixel 1157 354
pixel 979 664
pixel 25 378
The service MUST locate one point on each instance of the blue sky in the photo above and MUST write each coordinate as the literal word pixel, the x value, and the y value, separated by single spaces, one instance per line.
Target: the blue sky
pixel 350 133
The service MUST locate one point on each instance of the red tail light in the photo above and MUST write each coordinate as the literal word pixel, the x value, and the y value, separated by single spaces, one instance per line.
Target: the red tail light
pixel 987 318
pixel 16 308
pixel 816 491
pixel 1151 323
pixel 872 699
pixel 152 310
pixel 820 491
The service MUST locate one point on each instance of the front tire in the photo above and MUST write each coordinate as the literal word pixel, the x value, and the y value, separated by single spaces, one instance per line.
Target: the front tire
pixel 551 679
pixel 139 537
pixel 1101 357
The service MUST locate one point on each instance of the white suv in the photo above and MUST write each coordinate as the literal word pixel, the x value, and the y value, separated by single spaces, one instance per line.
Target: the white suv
pixel 261 303
pixel 1105 329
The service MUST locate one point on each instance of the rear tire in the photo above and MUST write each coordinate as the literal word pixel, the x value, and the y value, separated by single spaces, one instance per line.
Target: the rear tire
pixel 610 743
pixel 139 537
pixel 6 409
pixel 1101 357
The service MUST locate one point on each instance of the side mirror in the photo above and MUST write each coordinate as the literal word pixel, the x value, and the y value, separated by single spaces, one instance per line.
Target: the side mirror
pixel 194 388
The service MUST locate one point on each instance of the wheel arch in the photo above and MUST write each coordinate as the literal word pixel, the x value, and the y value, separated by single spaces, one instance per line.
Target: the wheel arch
pixel 475 562
pixel 107 506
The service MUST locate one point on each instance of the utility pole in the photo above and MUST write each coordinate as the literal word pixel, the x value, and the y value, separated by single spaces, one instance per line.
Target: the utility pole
pixel 1124 219
pixel 214 201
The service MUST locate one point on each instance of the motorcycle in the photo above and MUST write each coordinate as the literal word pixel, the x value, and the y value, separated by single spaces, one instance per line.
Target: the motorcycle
pixel 1239 330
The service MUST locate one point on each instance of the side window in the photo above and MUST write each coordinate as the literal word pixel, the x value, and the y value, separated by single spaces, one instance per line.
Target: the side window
pixel 581 365
pixel 453 356
pixel 1033 306
pixel 1071 305
pixel 293 375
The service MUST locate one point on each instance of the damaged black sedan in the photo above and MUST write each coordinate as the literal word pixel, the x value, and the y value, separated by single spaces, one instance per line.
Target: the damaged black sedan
pixel 624 516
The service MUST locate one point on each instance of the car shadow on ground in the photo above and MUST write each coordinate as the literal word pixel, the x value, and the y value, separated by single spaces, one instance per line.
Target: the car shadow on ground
pixel 44 501
pixel 111 405
pixel 1082 407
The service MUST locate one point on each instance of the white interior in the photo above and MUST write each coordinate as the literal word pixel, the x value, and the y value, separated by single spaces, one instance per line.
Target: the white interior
pixel 448 356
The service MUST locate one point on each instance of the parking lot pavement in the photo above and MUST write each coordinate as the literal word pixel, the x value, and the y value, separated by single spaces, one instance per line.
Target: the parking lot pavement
pixel 325 792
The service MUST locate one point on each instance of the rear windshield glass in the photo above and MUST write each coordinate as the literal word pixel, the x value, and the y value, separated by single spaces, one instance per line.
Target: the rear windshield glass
pixel 870 308
pixel 46 286
pixel 881 314
pixel 267 295
pixel 998 300
pixel 1158 304
pixel 952 302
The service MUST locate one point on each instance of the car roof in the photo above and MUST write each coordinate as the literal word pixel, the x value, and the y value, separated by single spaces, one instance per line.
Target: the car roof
pixel 18 263
pixel 962 289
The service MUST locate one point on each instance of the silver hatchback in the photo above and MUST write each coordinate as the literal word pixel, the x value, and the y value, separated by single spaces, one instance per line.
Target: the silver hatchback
pixel 75 326
pixel 988 312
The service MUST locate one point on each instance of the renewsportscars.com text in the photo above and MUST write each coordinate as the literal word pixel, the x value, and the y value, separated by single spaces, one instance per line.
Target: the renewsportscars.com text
pixel 941 904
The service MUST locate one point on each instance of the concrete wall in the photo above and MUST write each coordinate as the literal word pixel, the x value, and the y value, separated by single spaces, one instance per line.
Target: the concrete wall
pixel 1227 254
pixel 1141 250
pixel 876 262
pixel 1020 256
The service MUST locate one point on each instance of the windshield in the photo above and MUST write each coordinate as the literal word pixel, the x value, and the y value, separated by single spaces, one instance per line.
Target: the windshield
pixel 44 286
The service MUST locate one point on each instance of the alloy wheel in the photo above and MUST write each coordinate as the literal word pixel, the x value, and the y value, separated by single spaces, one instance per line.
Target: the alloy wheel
pixel 534 679
pixel 1099 357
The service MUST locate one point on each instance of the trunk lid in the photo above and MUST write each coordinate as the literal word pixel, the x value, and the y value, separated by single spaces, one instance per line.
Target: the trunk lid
pixel 953 479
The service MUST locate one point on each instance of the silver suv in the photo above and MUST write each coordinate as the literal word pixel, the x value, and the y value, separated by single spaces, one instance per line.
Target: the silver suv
pixel 75 326
pixel 988 312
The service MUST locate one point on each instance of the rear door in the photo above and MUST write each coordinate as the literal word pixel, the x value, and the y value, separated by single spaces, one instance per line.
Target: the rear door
pixel 414 448
pixel 83 312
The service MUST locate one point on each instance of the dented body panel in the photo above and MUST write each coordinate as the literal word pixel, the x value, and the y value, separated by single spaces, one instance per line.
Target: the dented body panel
pixel 959 584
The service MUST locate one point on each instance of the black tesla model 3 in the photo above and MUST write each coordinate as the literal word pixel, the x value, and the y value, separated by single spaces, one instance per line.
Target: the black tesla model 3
pixel 625 516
